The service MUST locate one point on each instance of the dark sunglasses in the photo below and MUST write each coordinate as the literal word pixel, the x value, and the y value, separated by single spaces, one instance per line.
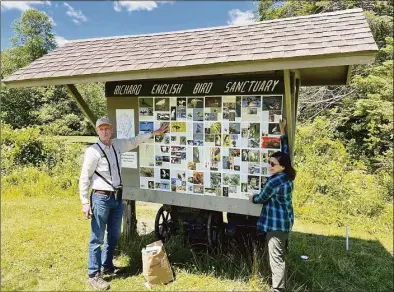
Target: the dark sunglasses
pixel 273 164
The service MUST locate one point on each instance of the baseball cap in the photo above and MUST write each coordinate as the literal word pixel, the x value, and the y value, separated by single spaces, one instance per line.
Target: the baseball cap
pixel 103 121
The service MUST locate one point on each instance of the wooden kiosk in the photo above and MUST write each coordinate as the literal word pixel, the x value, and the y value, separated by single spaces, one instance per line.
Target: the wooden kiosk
pixel 256 60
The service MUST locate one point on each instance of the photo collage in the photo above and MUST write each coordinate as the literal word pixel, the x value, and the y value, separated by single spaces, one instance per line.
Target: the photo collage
pixel 216 145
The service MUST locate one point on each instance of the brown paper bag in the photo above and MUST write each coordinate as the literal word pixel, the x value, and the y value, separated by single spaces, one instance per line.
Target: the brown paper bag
pixel 155 265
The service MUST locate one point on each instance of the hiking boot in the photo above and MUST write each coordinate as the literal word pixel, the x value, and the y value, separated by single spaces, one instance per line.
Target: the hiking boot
pixel 113 271
pixel 98 283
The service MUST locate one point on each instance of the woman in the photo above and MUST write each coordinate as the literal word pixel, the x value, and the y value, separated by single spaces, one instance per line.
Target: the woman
pixel 277 216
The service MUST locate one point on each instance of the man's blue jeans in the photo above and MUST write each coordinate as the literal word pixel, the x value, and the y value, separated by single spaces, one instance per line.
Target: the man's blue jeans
pixel 107 212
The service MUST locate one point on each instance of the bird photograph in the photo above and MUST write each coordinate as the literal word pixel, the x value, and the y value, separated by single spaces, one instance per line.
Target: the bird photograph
pixel 181 176
pixel 163 117
pixel 198 128
pixel 195 102
pixel 173 113
pixel 178 127
pixel 234 128
pixel 162 104
pixel 196 155
pixel 253 143
pixel 254 155
pixel 181 102
pixel 146 102
pixel 215 154
pixel 272 103
pixel 245 155
pixel 251 101
pixel 273 129
pixel 165 174
pixel 198 178
pixel 213 101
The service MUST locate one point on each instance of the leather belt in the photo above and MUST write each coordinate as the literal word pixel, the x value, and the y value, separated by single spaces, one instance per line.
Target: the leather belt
pixel 100 192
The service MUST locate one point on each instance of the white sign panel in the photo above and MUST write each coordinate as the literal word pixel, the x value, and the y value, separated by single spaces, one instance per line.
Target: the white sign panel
pixel 129 160
pixel 125 123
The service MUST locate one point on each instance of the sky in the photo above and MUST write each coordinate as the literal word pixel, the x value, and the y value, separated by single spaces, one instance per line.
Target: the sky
pixel 94 19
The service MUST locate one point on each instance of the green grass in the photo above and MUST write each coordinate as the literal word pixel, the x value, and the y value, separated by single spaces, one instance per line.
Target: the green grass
pixel 44 247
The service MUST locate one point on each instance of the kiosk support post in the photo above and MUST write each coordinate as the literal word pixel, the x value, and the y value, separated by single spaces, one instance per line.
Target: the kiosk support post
pixel 289 112
pixel 82 103
pixel 295 104
pixel 129 219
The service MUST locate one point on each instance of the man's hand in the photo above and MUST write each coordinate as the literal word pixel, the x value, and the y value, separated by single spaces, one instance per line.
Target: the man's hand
pixel 250 197
pixel 161 130
pixel 86 210
pixel 282 126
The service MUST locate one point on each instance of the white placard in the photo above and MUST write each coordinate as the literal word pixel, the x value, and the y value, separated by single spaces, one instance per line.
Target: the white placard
pixel 129 160
pixel 125 123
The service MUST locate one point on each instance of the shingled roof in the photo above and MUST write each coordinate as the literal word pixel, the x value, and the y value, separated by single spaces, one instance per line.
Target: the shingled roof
pixel 340 32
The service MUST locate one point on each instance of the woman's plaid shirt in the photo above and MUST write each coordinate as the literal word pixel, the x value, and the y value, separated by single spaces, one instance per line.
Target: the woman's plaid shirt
pixel 277 213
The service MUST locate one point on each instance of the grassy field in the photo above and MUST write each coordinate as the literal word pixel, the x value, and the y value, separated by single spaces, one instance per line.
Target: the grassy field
pixel 44 247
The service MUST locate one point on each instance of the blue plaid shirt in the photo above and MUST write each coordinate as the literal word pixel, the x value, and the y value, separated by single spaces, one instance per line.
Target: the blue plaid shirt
pixel 277 213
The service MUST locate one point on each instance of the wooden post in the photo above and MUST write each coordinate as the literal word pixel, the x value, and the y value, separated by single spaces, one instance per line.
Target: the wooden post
pixel 129 219
pixel 289 112
pixel 82 104
pixel 294 101
pixel 295 90
pixel 296 93
pixel 349 74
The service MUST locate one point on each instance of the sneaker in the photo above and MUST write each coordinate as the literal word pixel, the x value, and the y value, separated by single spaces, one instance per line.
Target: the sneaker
pixel 98 283
pixel 113 271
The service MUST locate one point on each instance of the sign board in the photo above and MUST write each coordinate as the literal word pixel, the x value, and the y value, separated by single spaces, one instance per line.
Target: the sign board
pixel 125 123
pixel 252 85
pixel 129 160
pixel 216 145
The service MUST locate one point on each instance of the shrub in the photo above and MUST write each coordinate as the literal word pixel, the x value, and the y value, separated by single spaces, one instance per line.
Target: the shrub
pixel 330 188
pixel 36 163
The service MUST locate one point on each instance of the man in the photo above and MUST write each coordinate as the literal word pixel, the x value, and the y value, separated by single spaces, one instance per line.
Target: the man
pixel 101 171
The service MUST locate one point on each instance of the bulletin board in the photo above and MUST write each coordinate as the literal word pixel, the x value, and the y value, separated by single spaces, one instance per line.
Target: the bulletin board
pixel 221 132
pixel 216 145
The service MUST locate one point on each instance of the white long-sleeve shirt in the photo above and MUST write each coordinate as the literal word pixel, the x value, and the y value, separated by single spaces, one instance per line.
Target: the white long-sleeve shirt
pixel 95 160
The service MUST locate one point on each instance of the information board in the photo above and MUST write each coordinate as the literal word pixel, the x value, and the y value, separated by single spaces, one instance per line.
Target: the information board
pixel 216 146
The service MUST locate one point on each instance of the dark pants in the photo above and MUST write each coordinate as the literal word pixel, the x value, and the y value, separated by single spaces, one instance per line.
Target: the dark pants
pixel 107 213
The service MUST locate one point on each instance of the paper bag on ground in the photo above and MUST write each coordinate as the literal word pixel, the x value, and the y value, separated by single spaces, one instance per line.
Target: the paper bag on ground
pixel 155 264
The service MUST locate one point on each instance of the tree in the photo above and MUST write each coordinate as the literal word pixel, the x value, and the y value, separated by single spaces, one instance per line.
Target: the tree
pixel 365 120
pixel 48 107
pixel 33 33
pixel 362 113
pixel 33 38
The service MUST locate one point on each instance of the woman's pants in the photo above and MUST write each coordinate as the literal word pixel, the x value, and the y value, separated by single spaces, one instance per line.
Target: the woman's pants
pixel 276 241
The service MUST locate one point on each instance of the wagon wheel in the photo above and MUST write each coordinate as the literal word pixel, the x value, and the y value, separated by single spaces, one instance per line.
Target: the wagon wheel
pixel 214 228
pixel 163 224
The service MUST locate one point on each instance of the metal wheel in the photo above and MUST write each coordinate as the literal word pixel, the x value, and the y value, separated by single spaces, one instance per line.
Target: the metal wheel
pixel 163 224
pixel 214 228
